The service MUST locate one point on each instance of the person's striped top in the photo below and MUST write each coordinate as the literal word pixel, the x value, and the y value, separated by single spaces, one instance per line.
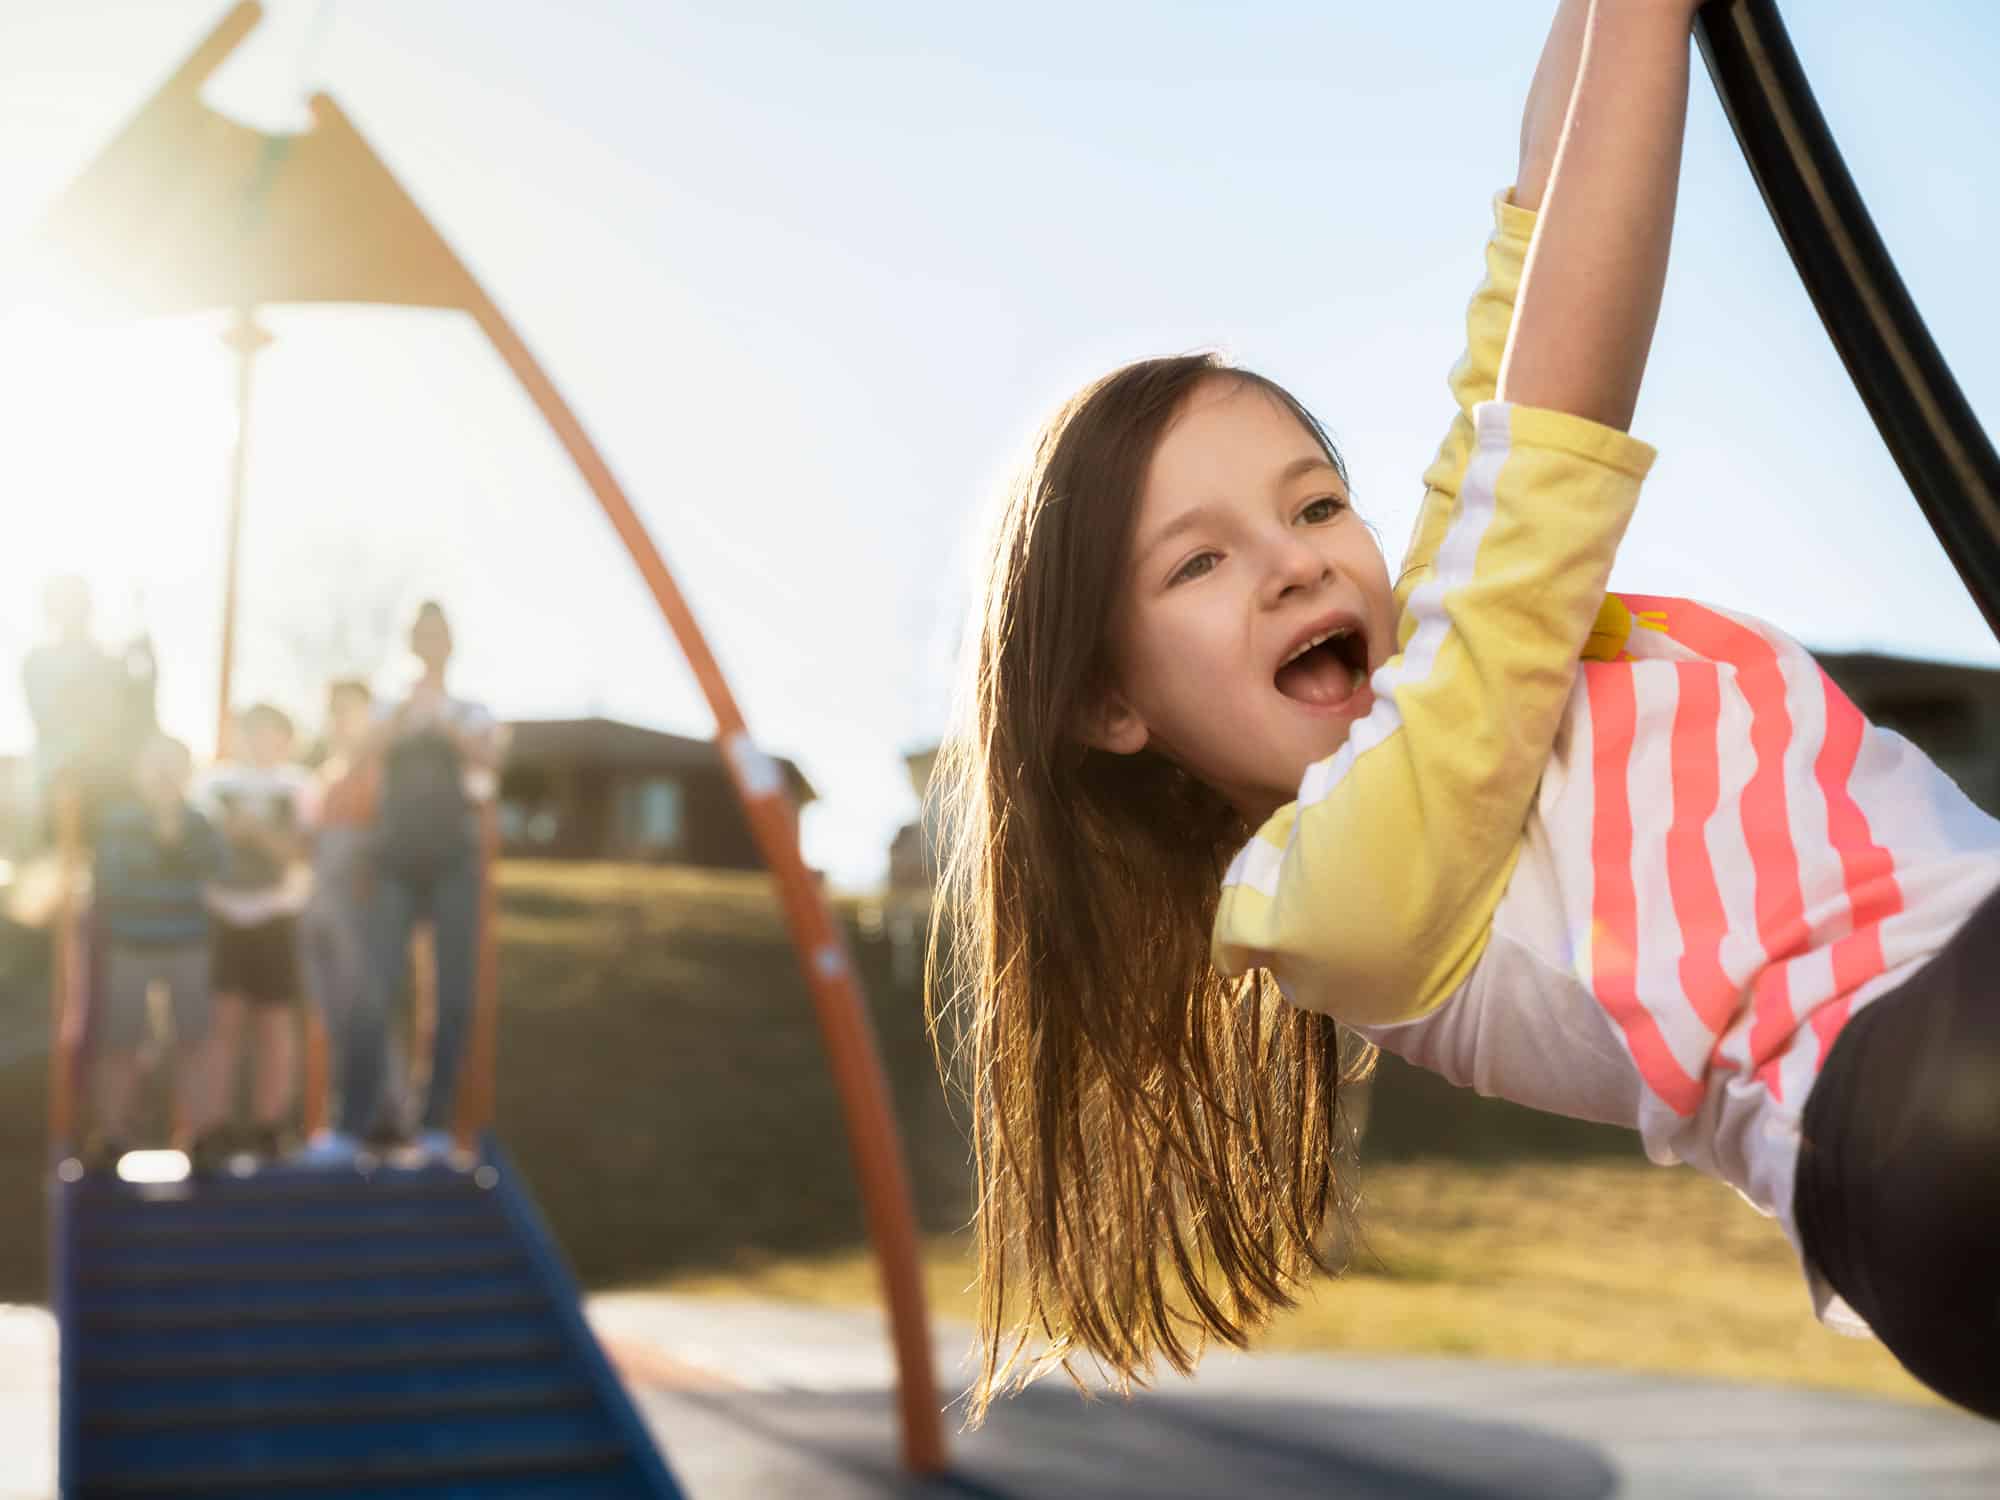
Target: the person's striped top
pixel 148 887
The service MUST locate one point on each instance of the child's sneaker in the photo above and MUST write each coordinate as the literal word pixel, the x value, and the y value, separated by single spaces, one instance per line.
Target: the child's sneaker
pixel 436 1145
pixel 330 1148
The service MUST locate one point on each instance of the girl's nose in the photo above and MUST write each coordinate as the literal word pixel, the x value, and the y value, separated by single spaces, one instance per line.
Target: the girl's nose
pixel 1295 565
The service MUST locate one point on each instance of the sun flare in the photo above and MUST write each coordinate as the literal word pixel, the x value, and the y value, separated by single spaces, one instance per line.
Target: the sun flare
pixel 117 447
pixel 102 418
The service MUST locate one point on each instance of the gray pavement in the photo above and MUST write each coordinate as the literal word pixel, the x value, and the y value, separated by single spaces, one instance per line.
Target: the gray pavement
pixel 813 1416
pixel 27 1403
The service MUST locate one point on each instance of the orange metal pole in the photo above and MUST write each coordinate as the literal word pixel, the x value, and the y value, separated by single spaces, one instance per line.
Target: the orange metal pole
pixel 66 973
pixel 246 338
pixel 474 1110
pixel 849 1037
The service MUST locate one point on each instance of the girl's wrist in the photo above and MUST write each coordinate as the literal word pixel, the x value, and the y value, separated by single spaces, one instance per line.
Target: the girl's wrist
pixel 1677 15
pixel 1677 10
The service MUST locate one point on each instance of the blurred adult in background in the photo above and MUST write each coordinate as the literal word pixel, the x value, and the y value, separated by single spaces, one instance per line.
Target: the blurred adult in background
pixel 259 800
pixel 92 710
pixel 154 855
pixel 440 760
pixel 333 935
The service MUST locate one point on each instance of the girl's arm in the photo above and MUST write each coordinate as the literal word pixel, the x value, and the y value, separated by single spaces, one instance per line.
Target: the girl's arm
pixel 1371 896
pixel 1590 294
pixel 1548 103
pixel 1491 316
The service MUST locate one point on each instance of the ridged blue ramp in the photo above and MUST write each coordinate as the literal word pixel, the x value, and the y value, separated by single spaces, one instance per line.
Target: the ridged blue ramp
pixel 389 1335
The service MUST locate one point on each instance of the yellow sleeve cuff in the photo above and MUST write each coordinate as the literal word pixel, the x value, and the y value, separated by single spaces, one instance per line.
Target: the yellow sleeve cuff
pixel 1564 432
pixel 1511 222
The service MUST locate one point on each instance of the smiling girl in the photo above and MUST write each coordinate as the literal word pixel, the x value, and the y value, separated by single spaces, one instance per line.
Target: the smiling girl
pixel 1227 798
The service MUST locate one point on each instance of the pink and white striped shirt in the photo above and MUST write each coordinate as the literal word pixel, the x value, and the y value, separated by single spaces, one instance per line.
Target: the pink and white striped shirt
pixel 1723 863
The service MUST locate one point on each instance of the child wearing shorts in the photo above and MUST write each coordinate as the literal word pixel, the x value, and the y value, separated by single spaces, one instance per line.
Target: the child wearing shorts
pixel 259 802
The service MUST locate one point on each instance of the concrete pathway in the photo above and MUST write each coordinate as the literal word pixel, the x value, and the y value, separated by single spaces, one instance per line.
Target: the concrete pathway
pixel 27 1403
pixel 811 1409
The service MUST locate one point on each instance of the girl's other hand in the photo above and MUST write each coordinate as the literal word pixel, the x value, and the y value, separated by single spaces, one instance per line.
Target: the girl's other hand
pixel 1684 9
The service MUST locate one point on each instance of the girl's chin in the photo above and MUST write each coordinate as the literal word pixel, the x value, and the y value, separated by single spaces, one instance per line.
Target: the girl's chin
pixel 1324 730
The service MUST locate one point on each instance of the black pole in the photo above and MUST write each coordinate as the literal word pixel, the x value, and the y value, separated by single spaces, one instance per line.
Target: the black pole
pixel 1922 415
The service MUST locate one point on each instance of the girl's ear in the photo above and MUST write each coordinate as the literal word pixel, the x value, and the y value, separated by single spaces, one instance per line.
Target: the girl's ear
pixel 1111 724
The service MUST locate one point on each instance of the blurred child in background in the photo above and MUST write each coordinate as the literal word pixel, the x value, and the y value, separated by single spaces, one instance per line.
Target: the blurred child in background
pixel 259 800
pixel 154 854
pixel 334 930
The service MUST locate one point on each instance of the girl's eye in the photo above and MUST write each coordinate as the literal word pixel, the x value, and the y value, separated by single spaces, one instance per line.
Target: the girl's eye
pixel 1318 512
pixel 1194 567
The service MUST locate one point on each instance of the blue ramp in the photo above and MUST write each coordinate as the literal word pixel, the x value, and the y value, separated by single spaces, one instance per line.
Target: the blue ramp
pixel 396 1335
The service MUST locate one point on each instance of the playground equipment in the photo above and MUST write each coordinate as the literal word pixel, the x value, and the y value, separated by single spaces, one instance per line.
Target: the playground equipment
pixel 187 210
pixel 411 1333
pixel 1923 417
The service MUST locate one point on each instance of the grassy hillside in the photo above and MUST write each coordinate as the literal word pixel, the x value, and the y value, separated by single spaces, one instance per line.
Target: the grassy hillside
pixel 662 1081
pixel 1622 1265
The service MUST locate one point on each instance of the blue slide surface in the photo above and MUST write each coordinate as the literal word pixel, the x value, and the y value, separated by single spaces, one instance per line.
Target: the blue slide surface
pixel 396 1335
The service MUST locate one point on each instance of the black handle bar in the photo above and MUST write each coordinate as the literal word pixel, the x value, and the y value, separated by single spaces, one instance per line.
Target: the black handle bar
pixel 1922 415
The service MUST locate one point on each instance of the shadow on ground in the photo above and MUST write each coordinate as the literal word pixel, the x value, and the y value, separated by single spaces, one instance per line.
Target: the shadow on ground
pixel 837 1445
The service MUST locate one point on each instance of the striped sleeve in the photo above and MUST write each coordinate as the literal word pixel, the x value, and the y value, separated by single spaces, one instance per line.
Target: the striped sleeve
pixel 1371 896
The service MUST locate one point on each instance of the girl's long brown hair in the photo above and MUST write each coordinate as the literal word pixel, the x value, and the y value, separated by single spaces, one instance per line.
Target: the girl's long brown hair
pixel 1155 1146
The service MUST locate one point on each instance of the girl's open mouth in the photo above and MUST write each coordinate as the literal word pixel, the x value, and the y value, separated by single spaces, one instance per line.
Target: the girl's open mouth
pixel 1328 670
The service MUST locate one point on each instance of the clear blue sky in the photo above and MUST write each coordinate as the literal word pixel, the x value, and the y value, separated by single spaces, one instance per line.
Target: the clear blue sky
pixel 811 272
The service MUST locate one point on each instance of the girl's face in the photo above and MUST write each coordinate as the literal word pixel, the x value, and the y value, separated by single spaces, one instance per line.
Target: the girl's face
pixel 1255 603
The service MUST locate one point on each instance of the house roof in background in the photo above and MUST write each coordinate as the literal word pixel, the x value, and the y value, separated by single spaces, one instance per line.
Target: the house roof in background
pixel 612 745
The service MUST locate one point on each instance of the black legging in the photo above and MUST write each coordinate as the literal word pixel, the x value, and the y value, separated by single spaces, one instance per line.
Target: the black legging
pixel 1898 1194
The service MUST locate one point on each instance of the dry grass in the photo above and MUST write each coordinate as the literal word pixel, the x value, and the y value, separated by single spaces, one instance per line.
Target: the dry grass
pixel 1624 1265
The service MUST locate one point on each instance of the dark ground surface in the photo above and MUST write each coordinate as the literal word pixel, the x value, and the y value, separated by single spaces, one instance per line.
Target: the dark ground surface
pixel 811 1416
pixel 842 1446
